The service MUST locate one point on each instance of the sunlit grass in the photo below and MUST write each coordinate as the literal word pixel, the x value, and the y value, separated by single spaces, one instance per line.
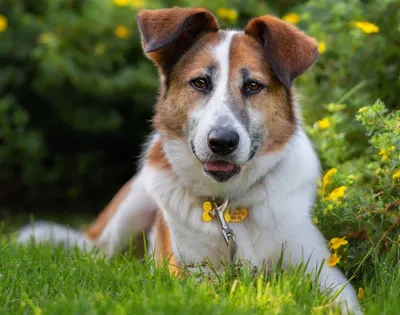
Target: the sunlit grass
pixel 46 280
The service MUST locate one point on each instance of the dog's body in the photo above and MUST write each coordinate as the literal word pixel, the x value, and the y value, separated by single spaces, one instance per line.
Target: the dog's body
pixel 226 126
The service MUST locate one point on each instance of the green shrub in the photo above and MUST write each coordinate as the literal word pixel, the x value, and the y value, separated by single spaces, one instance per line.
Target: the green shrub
pixel 74 70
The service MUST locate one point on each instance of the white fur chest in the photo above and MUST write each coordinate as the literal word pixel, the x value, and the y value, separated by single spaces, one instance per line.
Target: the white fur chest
pixel 193 240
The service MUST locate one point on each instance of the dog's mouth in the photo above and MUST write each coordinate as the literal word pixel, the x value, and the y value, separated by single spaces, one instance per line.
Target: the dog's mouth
pixel 221 171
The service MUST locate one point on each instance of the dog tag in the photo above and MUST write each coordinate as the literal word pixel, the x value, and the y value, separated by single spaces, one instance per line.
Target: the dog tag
pixel 239 215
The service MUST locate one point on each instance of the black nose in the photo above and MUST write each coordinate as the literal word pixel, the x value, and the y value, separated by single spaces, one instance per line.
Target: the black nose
pixel 223 141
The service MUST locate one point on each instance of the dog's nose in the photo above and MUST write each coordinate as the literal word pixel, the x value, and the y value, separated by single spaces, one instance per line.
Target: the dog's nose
pixel 223 141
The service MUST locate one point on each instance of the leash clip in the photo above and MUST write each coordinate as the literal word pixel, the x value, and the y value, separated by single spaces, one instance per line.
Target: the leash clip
pixel 227 232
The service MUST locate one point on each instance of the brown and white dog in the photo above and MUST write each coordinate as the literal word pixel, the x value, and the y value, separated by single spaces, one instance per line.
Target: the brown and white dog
pixel 226 125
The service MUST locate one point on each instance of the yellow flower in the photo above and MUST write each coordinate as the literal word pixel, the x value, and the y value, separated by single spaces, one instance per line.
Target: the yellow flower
pixel 137 4
pixel 321 47
pixel 227 14
pixel 330 173
pixel 121 32
pixel 323 123
pixel 122 3
pixel 337 194
pixel 326 180
pixel 363 109
pixel 337 242
pixel 383 155
pixel 361 293
pixel 334 260
pixel 396 175
pixel 293 18
pixel 392 148
pixel 366 27
pixel 3 23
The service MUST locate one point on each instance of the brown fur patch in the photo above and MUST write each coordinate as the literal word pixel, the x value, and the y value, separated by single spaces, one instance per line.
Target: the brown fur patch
pixel 274 102
pixel 288 50
pixel 168 33
pixel 95 229
pixel 156 156
pixel 280 120
pixel 174 105
pixel 247 53
pixel 163 248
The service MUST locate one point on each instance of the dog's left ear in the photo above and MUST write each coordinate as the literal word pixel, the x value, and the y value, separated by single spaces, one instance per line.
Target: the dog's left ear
pixel 288 50
pixel 168 33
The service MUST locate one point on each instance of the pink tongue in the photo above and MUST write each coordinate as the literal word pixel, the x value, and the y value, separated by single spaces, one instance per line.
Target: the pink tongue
pixel 219 166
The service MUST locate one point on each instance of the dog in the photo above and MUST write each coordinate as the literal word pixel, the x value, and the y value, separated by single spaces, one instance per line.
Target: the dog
pixel 228 172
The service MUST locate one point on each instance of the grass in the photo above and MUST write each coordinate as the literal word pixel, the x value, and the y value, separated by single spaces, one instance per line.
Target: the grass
pixel 40 279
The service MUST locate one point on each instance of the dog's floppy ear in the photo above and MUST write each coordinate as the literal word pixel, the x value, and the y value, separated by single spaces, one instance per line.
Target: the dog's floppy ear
pixel 168 33
pixel 288 50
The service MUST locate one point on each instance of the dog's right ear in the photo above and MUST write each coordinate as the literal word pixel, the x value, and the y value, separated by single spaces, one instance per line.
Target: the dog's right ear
pixel 289 51
pixel 168 33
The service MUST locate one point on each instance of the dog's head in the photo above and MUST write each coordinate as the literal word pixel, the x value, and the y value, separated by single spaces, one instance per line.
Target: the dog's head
pixel 225 94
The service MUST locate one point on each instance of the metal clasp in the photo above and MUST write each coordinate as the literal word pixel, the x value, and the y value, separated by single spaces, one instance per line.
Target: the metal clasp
pixel 227 232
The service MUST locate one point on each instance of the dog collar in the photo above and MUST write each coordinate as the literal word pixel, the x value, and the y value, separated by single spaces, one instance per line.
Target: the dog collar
pixel 234 215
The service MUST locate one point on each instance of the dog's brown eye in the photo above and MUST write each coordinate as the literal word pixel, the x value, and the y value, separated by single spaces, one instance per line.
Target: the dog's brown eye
pixel 200 84
pixel 253 86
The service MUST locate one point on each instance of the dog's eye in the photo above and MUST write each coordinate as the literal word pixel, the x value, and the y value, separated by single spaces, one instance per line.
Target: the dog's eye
pixel 201 84
pixel 253 87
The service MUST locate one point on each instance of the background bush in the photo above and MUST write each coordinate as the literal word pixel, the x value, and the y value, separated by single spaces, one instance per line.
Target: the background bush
pixel 76 96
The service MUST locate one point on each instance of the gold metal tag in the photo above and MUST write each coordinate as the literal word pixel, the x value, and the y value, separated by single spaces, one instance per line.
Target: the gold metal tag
pixel 238 215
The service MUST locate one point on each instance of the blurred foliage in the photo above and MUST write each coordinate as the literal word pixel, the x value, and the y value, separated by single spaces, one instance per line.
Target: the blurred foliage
pixel 76 97
pixel 359 62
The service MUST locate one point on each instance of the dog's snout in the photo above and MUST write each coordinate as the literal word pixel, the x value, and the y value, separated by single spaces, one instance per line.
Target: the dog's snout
pixel 223 141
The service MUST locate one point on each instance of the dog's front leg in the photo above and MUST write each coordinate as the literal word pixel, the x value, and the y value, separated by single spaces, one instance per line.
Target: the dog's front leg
pixel 133 214
pixel 305 243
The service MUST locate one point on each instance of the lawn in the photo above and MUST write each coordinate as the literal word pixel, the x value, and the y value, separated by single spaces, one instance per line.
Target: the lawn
pixel 47 280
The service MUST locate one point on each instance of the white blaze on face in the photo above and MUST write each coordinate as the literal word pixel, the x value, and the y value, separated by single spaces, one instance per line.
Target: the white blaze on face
pixel 216 111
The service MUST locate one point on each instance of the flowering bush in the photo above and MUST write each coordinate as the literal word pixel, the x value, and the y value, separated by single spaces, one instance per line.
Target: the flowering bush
pixel 358 53
pixel 359 195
